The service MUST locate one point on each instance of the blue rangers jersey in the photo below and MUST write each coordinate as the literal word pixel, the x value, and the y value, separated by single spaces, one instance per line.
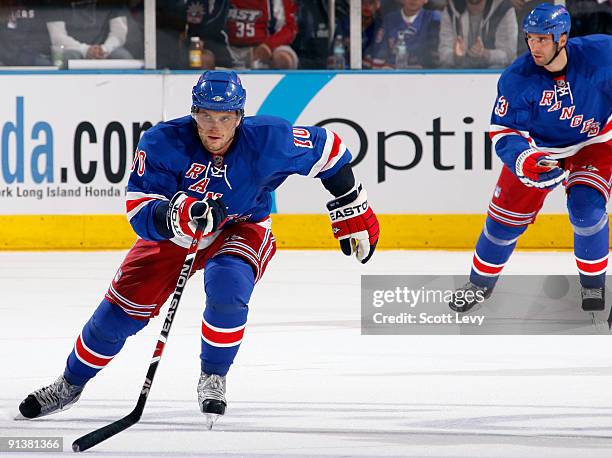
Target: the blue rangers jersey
pixel 420 37
pixel 170 157
pixel 558 115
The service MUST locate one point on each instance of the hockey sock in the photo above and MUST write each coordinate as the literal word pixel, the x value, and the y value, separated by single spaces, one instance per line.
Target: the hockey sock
pixel 228 282
pixel 587 210
pixel 100 340
pixel 495 245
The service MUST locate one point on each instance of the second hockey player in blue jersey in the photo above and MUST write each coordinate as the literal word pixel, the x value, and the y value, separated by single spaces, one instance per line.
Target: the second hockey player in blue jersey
pixel 217 167
pixel 551 124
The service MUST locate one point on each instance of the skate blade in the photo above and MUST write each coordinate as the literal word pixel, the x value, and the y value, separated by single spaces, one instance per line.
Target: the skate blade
pixel 211 419
pixel 20 417
pixel 600 323
pixel 475 308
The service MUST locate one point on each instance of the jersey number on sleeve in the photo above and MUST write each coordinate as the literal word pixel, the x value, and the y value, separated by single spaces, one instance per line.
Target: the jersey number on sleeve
pixel 502 107
pixel 300 137
pixel 139 161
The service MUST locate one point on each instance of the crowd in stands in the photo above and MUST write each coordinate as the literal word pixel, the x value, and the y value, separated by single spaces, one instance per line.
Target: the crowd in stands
pixel 279 34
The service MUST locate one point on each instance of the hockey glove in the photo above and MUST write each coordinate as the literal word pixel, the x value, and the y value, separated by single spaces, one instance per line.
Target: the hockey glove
pixel 185 211
pixel 354 224
pixel 538 170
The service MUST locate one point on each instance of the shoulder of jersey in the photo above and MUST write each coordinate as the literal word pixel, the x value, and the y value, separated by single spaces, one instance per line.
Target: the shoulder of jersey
pixel 432 15
pixel 519 76
pixel 166 140
pixel 391 17
pixel 255 126
pixel 593 50
pixel 522 67
pixel 169 129
pixel 265 133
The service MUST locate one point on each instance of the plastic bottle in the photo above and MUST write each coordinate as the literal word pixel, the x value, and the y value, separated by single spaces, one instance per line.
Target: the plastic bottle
pixel 195 53
pixel 58 56
pixel 339 58
pixel 401 53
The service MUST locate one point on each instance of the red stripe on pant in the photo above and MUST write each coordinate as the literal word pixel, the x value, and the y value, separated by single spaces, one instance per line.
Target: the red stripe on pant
pixel 88 357
pixel 507 218
pixel 485 268
pixel 592 268
pixel 140 313
pixel 221 338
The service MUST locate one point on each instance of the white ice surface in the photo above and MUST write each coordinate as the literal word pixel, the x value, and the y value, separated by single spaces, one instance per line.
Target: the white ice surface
pixel 305 382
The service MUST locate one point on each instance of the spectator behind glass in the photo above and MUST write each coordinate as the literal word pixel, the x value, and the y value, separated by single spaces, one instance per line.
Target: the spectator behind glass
pixel 522 8
pixel 590 16
pixel 371 22
pixel 88 29
pixel 261 32
pixel 312 40
pixel 478 34
pixel 205 19
pixel 387 6
pixel 134 41
pixel 180 20
pixel 24 40
pixel 414 27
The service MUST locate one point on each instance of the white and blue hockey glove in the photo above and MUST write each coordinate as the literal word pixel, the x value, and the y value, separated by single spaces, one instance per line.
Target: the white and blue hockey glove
pixel 184 212
pixel 538 170
pixel 354 224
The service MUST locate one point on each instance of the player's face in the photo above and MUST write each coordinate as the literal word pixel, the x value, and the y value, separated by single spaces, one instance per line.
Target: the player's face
pixel 542 47
pixel 216 129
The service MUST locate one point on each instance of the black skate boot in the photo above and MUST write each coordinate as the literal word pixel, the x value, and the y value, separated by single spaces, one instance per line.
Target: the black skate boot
pixel 469 297
pixel 593 299
pixel 211 397
pixel 58 396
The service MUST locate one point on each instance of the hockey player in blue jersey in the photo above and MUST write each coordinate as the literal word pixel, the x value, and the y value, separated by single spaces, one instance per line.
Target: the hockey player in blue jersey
pixel 219 167
pixel 551 124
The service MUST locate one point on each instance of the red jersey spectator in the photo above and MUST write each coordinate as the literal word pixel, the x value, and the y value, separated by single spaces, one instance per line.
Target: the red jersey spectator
pixel 260 33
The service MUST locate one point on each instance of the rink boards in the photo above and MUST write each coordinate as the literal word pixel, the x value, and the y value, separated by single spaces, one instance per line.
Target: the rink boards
pixel 419 143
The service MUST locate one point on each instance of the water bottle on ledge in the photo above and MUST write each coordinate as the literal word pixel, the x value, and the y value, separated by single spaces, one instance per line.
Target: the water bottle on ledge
pixel 339 54
pixel 57 54
pixel 195 52
pixel 401 52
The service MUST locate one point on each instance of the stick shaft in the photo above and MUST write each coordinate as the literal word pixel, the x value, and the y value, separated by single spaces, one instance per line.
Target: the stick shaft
pixel 99 435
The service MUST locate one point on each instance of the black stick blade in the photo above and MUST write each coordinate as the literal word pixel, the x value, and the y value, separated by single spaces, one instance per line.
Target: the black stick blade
pixel 99 435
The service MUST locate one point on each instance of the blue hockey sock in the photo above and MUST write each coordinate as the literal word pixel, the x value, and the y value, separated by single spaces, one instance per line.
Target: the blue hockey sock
pixel 493 249
pixel 100 340
pixel 228 282
pixel 587 211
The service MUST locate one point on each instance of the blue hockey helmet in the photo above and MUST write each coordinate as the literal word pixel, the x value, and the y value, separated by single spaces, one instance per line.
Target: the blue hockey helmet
pixel 218 90
pixel 548 19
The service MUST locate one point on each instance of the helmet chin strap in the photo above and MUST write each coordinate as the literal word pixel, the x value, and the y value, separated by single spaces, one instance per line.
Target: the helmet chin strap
pixel 557 52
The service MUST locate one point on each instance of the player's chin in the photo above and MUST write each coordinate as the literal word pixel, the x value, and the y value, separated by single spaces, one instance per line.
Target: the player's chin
pixel 214 146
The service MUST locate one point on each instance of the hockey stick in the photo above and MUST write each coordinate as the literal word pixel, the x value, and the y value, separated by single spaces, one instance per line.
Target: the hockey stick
pixel 95 437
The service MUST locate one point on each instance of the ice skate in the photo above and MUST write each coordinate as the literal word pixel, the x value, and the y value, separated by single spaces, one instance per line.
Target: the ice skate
pixel 58 396
pixel 593 302
pixel 593 299
pixel 211 397
pixel 469 297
